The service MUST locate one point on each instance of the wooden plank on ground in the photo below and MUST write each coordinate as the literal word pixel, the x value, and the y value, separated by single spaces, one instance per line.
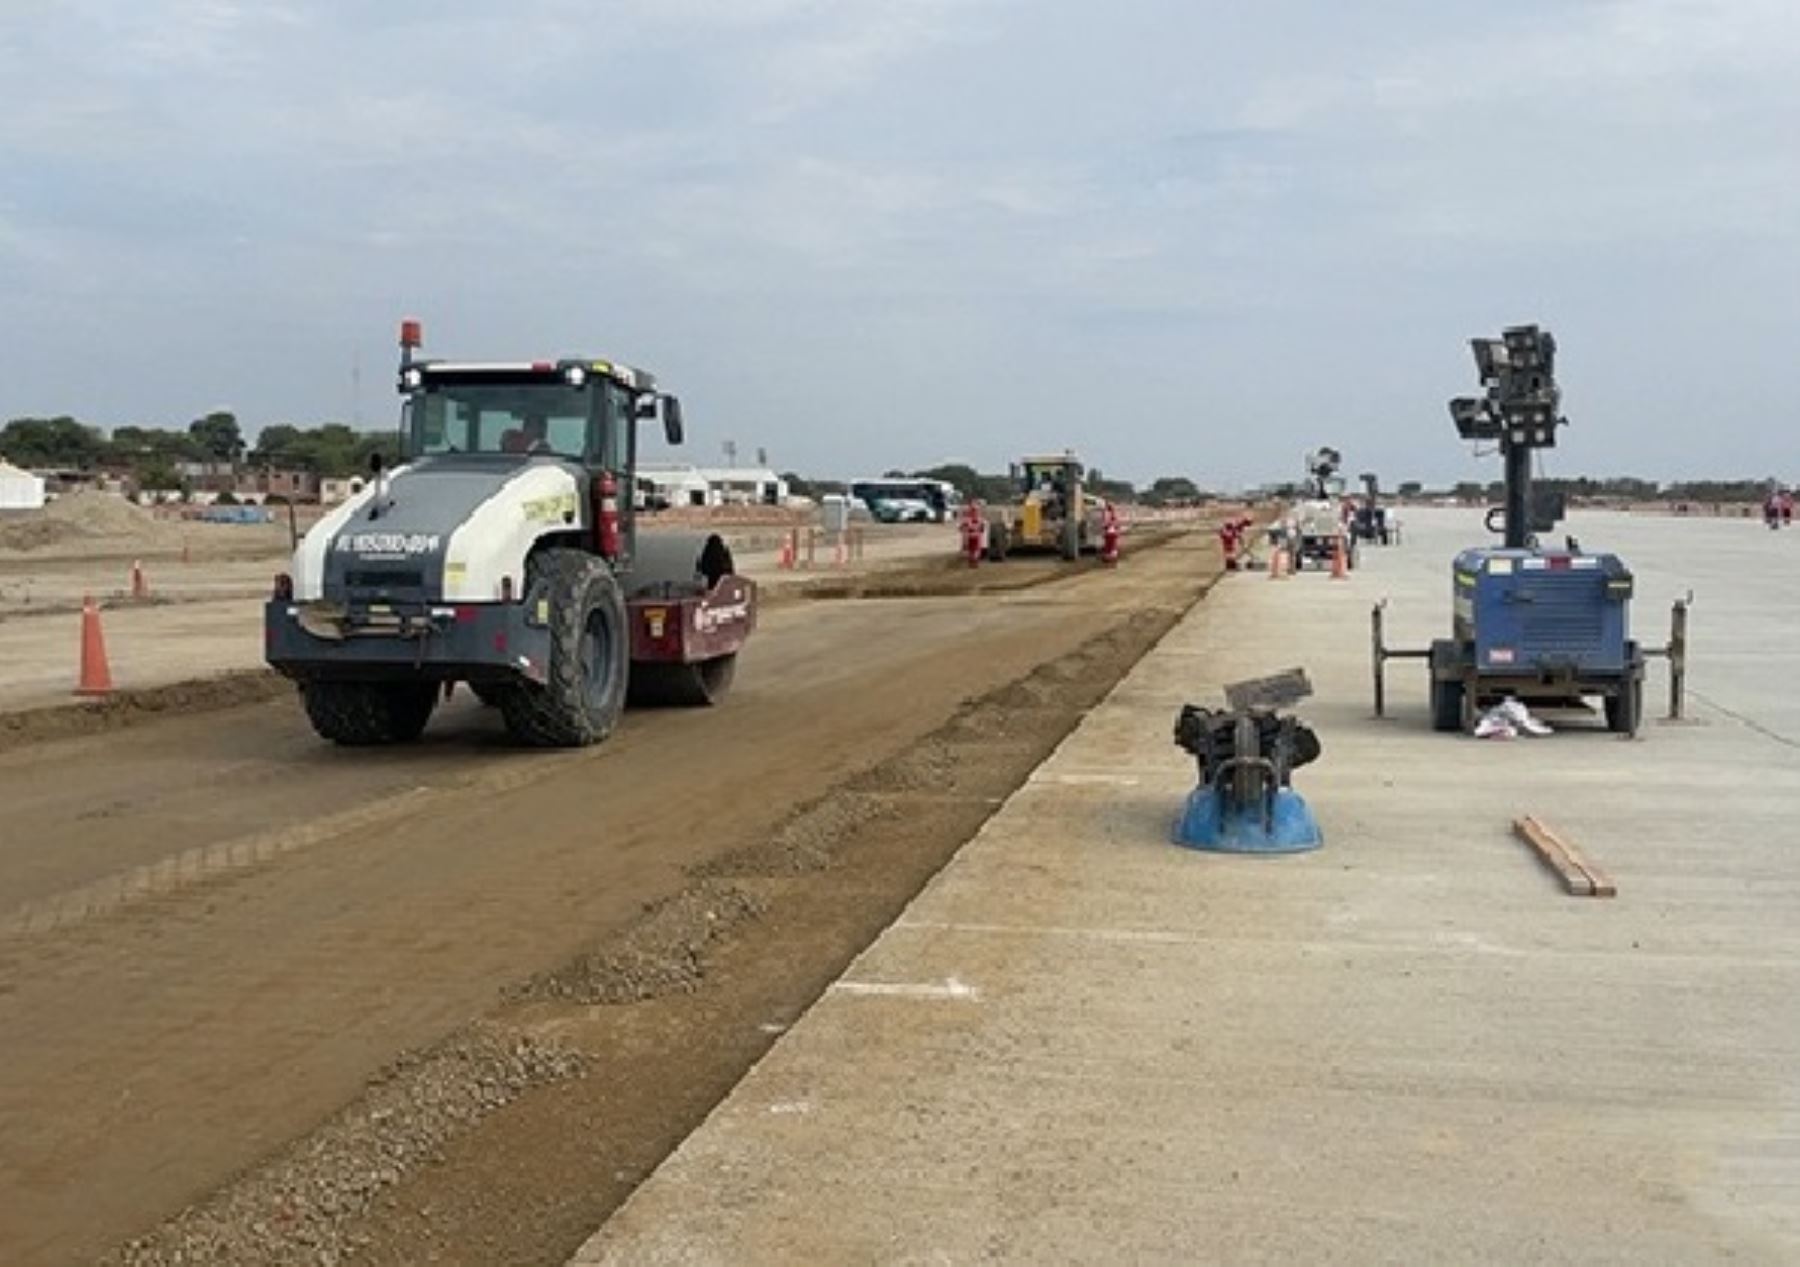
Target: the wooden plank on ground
pixel 1578 874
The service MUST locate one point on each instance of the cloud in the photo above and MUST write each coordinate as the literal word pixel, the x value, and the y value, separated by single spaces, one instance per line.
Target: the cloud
pixel 847 228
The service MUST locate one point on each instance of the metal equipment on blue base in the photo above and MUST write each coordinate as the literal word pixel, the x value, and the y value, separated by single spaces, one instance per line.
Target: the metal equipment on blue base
pixel 1210 823
pixel 1247 755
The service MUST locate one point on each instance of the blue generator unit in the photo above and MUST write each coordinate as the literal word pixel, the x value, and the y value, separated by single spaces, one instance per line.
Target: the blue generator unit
pixel 1550 627
pixel 1538 623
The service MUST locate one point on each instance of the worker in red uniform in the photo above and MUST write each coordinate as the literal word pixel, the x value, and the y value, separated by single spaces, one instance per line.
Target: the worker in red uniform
pixel 1231 536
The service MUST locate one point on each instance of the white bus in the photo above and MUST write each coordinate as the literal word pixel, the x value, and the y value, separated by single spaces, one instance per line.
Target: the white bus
pixel 899 499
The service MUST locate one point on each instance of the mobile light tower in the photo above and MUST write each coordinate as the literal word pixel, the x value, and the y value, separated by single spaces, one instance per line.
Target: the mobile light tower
pixel 1549 626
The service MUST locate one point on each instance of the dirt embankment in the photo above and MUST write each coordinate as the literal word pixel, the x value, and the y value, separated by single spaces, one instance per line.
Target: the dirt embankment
pixel 132 708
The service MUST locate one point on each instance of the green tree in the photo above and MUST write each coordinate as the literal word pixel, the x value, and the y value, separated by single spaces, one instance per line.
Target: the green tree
pixel 1741 490
pixel 51 442
pixel 1172 490
pixel 218 436
pixel 136 447
pixel 277 444
pixel 1112 490
pixel 369 443
pixel 157 475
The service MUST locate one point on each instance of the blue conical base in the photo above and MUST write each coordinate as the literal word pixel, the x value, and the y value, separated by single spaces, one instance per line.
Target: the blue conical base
pixel 1204 825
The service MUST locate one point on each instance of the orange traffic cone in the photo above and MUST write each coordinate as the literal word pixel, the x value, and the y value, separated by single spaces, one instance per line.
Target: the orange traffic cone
pixel 1340 566
pixel 788 552
pixel 140 588
pixel 1278 564
pixel 96 677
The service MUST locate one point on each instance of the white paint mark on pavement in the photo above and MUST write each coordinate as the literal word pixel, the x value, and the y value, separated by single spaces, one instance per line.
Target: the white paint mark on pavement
pixel 1088 780
pixel 949 989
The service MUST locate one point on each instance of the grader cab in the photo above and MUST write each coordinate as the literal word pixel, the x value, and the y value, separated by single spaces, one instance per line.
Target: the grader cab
pixel 1052 511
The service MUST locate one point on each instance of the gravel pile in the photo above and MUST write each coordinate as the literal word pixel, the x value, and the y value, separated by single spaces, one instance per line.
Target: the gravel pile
pixel 297 1208
pixel 77 516
pixel 808 841
pixel 662 953
pixel 928 766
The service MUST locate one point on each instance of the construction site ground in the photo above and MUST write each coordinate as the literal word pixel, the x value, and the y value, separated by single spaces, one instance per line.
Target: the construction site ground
pixel 262 1000
pixel 1082 1043
pixel 206 584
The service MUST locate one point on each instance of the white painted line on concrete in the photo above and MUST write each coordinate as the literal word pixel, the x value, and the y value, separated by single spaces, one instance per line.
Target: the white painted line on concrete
pixel 949 989
pixel 1084 780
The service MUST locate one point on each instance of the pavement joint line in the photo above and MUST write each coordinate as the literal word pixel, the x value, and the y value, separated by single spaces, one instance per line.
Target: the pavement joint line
pixel 1440 941
pixel 1164 937
pixel 1748 722
pixel 1154 936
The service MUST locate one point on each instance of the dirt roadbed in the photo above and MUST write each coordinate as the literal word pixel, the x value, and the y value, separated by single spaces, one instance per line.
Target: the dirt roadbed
pixel 560 961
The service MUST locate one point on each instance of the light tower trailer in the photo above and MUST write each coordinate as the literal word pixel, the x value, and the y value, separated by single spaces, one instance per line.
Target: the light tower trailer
pixel 505 553
pixel 1318 518
pixel 1546 626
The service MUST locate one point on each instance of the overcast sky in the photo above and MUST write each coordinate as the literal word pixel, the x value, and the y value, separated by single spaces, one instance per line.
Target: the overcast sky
pixel 1182 236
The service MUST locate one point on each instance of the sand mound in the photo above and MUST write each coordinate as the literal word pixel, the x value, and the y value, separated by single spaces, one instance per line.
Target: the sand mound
pixel 78 516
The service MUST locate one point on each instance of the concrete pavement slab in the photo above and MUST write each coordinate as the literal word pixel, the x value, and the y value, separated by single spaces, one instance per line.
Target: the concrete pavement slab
pixel 1083 1044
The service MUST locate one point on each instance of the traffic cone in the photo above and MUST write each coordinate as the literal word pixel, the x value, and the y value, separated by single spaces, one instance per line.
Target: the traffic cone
pixel 786 562
pixel 1278 564
pixel 1340 567
pixel 96 677
pixel 140 588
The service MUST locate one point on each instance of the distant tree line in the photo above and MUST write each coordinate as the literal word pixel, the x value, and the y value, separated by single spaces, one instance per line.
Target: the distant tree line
pixel 153 455
pixel 1618 488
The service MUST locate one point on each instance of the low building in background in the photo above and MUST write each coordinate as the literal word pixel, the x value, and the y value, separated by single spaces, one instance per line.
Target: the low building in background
pixel 20 489
pixel 679 484
pixel 275 484
pixel 335 492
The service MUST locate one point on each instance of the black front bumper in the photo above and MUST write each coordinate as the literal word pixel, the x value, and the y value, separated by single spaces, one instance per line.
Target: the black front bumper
pixel 480 642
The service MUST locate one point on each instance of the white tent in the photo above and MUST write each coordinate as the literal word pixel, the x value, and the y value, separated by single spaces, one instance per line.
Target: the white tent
pixel 20 490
